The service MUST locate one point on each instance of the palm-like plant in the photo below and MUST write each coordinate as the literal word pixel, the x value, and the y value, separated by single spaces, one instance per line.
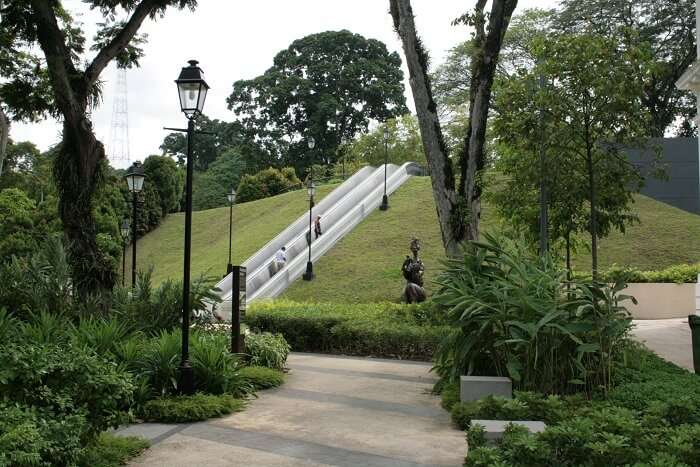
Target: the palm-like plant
pixel 515 314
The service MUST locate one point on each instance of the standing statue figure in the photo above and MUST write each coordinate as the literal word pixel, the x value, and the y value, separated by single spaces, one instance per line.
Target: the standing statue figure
pixel 413 270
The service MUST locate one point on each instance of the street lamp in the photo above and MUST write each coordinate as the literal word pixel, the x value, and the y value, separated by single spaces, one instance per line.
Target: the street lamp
pixel 192 90
pixel 311 190
pixel 124 231
pixel 385 200
pixel 134 180
pixel 343 143
pixel 231 199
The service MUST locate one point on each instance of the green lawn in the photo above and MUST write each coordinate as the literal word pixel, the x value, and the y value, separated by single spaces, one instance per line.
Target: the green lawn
pixel 365 266
pixel 254 224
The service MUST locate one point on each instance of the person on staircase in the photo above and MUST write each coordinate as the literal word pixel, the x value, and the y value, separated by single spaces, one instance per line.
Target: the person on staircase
pixel 280 260
pixel 317 227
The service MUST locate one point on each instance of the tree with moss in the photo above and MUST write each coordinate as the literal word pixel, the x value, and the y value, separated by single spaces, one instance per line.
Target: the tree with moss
pixel 457 198
pixel 46 72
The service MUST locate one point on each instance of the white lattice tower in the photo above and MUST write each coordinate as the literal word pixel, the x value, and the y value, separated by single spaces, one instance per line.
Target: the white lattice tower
pixel 118 149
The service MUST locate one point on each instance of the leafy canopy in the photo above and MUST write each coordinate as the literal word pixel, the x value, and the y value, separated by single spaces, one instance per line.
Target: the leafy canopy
pixel 328 85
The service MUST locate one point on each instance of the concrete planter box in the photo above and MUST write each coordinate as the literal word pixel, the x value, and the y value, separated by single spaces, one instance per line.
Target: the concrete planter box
pixel 661 301
pixel 472 388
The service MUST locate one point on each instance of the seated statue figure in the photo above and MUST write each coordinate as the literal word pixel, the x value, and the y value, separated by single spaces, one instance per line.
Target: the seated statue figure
pixel 413 270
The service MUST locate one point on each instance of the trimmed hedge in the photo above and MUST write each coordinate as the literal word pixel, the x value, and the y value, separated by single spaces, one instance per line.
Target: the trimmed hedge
pixel 678 274
pixel 379 330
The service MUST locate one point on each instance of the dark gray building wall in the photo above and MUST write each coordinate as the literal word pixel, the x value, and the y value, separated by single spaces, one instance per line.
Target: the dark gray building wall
pixel 679 157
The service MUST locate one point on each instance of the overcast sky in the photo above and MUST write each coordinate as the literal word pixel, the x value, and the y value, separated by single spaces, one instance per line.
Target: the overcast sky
pixel 237 40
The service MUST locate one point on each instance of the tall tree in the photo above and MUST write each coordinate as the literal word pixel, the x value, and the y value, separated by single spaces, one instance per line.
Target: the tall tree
pixel 458 208
pixel 668 27
pixel 64 84
pixel 328 85
pixel 592 105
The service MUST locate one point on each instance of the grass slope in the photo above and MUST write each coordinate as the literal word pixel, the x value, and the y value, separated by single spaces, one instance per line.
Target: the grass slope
pixel 254 224
pixel 365 266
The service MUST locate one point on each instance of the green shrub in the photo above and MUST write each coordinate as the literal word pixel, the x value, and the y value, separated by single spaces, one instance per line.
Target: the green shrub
pixel 382 329
pixel 449 395
pixel 262 377
pixel 181 409
pixel 266 349
pixel 680 273
pixel 150 310
pixel 514 314
pixel 112 451
pixel 216 370
pixel 73 381
pixel 650 418
pixel 31 436
pixel 268 182
pixel 476 436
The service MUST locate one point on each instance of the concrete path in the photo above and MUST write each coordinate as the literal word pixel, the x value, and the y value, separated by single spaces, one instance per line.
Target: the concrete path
pixel 669 338
pixel 332 411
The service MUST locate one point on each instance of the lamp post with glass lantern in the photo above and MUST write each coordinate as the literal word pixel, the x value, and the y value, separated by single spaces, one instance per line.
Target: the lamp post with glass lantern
pixel 124 231
pixel 134 180
pixel 192 90
pixel 385 199
pixel 231 199
pixel 311 190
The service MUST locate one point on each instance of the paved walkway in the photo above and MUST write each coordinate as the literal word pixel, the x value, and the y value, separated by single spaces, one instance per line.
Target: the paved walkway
pixel 670 338
pixel 332 411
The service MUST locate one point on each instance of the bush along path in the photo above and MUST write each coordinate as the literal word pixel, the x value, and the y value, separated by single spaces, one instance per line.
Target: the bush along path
pixel 340 411
pixel 607 400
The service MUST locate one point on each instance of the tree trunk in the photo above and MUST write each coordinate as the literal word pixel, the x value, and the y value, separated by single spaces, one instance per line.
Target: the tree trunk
pixel 4 136
pixel 594 225
pixel 78 172
pixel 79 166
pixel 487 47
pixel 452 222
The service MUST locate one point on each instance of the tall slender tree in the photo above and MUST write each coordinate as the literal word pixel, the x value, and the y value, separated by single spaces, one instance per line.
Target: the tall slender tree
pixel 60 84
pixel 458 207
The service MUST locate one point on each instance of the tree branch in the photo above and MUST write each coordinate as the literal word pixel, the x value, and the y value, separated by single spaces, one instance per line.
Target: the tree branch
pixel 62 72
pixel 121 40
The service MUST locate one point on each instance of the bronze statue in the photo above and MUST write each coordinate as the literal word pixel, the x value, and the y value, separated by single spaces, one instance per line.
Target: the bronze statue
pixel 413 270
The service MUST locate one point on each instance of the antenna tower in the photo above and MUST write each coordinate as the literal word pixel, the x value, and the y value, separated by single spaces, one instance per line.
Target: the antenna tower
pixel 118 149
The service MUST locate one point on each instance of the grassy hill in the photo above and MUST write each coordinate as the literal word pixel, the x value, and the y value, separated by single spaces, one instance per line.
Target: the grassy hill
pixel 254 224
pixel 365 265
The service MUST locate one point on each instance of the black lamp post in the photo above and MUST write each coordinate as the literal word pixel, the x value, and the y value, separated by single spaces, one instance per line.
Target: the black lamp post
pixel 134 179
pixel 192 90
pixel 231 199
pixel 311 189
pixel 124 230
pixel 343 145
pixel 385 199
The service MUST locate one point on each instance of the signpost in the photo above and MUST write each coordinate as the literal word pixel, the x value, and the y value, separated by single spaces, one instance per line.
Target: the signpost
pixel 238 306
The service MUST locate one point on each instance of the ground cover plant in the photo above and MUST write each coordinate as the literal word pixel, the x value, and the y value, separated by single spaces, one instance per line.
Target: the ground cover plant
pixel 606 400
pixel 380 330
pixel 651 417
pixel 180 409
